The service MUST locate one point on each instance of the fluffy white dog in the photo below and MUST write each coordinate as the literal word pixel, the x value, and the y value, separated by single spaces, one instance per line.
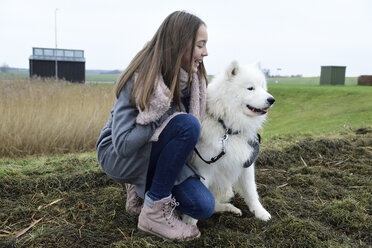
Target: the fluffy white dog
pixel 237 104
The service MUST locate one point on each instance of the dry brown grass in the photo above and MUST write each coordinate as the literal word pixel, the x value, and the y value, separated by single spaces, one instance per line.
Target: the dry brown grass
pixel 49 117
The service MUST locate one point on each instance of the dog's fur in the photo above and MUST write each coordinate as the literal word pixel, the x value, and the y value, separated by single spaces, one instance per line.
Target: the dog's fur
pixel 228 98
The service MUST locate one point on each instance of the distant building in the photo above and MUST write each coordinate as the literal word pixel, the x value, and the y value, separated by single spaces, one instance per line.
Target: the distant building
pixel 332 75
pixel 65 64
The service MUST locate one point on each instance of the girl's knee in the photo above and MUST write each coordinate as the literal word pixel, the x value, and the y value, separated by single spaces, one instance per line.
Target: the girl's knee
pixel 205 206
pixel 190 125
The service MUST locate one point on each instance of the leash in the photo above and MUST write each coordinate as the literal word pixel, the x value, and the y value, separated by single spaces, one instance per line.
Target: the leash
pixel 223 140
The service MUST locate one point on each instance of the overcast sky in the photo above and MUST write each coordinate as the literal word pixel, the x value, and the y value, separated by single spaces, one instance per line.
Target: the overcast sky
pixel 297 36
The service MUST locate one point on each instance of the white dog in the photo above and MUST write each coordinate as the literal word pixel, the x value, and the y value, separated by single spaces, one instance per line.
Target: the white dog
pixel 237 103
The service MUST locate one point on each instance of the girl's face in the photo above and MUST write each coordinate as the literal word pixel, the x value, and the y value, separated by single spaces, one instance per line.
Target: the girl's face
pixel 200 51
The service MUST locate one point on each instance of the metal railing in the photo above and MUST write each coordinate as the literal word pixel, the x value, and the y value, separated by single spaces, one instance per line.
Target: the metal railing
pixel 56 52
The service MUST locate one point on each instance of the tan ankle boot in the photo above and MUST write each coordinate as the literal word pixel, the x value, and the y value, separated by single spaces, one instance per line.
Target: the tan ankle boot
pixel 134 203
pixel 161 221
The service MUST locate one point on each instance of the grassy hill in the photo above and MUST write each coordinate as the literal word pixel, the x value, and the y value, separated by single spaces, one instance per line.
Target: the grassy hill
pixel 306 109
pixel 307 80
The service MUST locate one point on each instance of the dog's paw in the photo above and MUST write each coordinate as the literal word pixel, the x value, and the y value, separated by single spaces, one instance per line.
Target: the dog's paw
pixel 259 211
pixel 234 210
pixel 262 214
pixel 228 207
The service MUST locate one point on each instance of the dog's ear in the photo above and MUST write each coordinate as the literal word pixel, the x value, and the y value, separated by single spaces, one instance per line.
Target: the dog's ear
pixel 258 65
pixel 232 69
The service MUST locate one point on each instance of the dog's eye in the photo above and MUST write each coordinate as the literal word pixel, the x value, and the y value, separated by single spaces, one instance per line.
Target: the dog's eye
pixel 250 88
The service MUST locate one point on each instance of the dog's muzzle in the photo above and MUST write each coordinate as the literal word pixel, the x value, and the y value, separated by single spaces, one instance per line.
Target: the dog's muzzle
pixel 262 111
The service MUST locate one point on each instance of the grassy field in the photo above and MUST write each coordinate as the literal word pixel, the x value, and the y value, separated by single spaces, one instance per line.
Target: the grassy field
pixel 48 117
pixel 14 75
pixel 314 173
pixel 89 77
pixel 307 80
pixel 97 77
pixel 308 110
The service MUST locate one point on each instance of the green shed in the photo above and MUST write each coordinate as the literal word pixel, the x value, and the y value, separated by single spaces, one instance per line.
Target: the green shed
pixel 332 75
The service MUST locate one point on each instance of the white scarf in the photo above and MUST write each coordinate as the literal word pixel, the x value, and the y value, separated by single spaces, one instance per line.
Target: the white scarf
pixel 159 102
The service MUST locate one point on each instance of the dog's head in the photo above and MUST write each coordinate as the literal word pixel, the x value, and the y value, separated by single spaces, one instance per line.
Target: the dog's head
pixel 240 93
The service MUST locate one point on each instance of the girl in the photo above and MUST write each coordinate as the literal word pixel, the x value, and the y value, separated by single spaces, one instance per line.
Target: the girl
pixel 155 125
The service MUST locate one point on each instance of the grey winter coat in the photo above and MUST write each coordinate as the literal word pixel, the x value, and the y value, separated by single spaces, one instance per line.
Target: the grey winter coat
pixel 124 145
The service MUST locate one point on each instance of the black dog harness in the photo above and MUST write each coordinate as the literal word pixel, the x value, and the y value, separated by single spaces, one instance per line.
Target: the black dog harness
pixel 228 131
pixel 256 150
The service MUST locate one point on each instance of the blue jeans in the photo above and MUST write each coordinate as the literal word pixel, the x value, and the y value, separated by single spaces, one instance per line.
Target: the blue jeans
pixel 168 155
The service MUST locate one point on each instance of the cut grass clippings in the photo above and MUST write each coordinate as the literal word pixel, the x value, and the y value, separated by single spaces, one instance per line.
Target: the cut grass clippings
pixel 317 189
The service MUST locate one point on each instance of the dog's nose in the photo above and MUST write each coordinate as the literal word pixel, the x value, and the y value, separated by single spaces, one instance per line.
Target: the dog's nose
pixel 271 100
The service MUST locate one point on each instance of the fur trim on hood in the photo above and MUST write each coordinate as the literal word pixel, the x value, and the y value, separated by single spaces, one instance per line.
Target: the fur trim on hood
pixel 158 104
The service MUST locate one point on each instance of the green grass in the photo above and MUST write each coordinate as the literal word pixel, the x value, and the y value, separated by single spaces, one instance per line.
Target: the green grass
pixel 308 110
pixel 307 80
pixel 46 164
pixel 101 77
pixel 14 75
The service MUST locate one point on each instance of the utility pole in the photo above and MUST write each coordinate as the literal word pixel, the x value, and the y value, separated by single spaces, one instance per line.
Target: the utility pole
pixel 55 29
pixel 277 76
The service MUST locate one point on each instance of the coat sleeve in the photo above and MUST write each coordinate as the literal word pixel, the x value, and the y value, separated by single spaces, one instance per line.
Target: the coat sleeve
pixel 127 135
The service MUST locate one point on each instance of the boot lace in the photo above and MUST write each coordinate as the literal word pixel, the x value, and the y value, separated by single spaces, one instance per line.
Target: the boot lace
pixel 169 209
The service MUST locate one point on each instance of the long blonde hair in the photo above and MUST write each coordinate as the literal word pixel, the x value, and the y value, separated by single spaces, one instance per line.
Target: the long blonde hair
pixel 162 56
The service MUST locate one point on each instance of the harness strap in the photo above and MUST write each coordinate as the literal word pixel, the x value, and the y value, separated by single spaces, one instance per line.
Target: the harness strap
pixel 214 159
pixel 224 139
pixel 255 144
pixel 227 130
